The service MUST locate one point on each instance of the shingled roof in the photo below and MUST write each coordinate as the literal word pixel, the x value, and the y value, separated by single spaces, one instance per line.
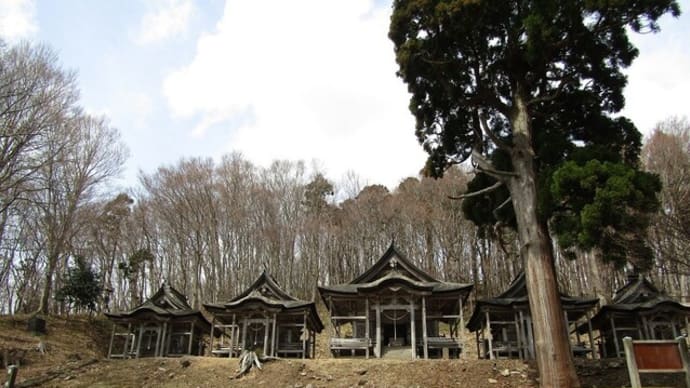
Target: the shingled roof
pixel 516 296
pixel 265 293
pixel 638 295
pixel 167 302
pixel 394 268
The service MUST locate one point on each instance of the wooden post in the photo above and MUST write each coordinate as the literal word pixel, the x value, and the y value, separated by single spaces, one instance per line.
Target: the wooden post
pixel 274 334
pixel 377 349
pixel 632 363
pixel 163 336
pixel 191 338
pixel 425 339
pixel 244 333
pixel 647 333
pixel 266 336
pixel 11 376
pixel 491 337
pixel 158 339
pixel 213 326
pixel 234 338
pixel 366 327
pixel 595 353
pixel 304 336
pixel 125 352
pixel 461 330
pixel 141 337
pixel 112 338
pixel 413 335
pixel 521 350
pixel 615 337
pixel 168 338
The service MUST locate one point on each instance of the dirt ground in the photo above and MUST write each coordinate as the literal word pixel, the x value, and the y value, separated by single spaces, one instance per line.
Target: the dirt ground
pixel 75 350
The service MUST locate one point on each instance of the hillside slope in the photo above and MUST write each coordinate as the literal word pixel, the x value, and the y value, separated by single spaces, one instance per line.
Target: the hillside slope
pixel 75 350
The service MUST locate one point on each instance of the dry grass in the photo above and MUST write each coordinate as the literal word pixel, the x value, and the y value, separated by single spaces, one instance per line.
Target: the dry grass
pixel 76 349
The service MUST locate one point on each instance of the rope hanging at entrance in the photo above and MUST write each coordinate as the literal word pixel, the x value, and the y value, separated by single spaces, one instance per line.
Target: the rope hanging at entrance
pixel 395 316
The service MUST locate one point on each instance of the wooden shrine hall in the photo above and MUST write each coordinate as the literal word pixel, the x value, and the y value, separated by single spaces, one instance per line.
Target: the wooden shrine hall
pixel 503 325
pixel 267 318
pixel 395 307
pixel 163 326
pixel 639 310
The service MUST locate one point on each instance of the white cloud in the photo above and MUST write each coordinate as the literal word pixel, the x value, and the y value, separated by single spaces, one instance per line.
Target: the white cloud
pixel 17 19
pixel 166 19
pixel 319 79
pixel 658 80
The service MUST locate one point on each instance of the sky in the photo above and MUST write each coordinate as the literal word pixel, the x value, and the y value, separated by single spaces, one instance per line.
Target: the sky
pixel 310 80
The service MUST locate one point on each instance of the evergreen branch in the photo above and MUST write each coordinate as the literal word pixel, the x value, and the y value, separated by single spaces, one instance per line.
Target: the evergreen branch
pixel 478 192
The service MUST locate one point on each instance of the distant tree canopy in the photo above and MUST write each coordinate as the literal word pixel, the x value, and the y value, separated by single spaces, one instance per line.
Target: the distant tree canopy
pixel 470 64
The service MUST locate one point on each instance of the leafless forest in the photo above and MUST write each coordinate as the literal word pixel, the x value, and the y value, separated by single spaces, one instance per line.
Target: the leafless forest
pixel 210 227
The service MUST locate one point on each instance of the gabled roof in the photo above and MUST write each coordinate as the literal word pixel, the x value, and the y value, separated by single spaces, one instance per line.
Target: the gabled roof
pixel 266 294
pixel 391 269
pixel 516 296
pixel 393 259
pixel 637 296
pixel 165 303
pixel 266 286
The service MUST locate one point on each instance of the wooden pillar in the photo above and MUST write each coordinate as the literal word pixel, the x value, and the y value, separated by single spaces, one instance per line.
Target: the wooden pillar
pixel 234 338
pixel 244 333
pixel 304 336
pixel 366 325
pixel 645 332
pixel 191 338
pixel 112 339
pixel 461 330
pixel 491 339
pixel 168 338
pixel 377 349
pixel 615 337
pixel 163 336
pixel 125 352
pixel 274 334
pixel 141 336
pixel 266 326
pixel 213 326
pixel 425 338
pixel 413 334
pixel 159 331
pixel 595 353
pixel 521 350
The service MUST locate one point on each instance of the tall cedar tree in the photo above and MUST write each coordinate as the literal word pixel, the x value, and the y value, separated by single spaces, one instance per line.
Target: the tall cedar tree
pixel 524 87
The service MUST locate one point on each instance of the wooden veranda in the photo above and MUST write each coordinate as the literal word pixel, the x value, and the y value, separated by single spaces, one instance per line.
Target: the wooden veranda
pixel 396 305
pixel 267 319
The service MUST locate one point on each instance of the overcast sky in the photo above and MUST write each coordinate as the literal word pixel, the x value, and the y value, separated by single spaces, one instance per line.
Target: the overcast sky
pixel 310 80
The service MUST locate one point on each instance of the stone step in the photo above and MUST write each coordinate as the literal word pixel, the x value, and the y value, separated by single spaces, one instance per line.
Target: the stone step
pixel 397 352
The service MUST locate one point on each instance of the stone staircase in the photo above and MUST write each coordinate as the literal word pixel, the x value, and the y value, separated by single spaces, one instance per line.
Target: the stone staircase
pixel 397 352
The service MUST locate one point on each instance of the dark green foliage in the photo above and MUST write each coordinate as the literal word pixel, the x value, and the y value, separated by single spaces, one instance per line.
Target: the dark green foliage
pixel 605 205
pixel 468 61
pixel 131 269
pixel 81 287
